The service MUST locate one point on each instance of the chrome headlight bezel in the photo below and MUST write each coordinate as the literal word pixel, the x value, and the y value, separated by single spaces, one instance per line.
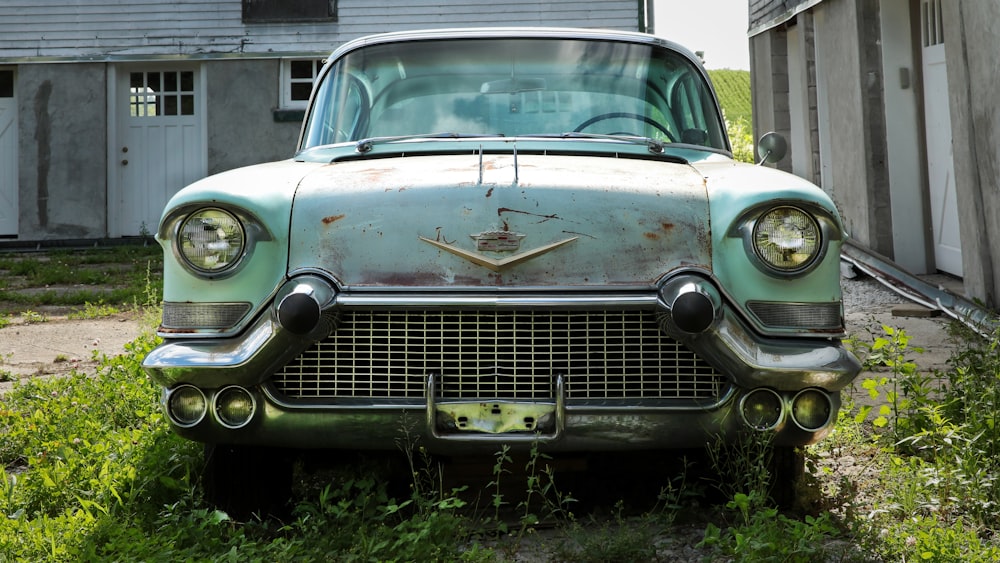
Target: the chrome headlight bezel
pixel 227 251
pixel 251 231
pixel 822 230
pixel 786 239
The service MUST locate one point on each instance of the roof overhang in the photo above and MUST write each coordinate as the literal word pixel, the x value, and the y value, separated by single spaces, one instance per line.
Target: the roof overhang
pixel 782 18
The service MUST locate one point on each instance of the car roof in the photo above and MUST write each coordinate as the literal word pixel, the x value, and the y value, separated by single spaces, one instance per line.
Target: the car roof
pixel 515 32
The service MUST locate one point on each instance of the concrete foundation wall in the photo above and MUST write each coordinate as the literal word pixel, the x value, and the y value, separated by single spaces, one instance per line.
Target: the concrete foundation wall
pixel 62 113
pixel 972 46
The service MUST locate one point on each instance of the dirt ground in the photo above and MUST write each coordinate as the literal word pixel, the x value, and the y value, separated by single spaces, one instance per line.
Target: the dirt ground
pixel 60 344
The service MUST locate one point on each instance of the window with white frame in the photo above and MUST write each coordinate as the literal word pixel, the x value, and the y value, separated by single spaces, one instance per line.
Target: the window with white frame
pixel 297 77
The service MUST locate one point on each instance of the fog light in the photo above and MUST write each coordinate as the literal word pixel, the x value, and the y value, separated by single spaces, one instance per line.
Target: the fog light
pixel 186 405
pixel 234 406
pixel 762 409
pixel 811 409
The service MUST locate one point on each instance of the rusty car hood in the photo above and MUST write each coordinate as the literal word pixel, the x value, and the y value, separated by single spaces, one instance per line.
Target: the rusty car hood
pixel 500 220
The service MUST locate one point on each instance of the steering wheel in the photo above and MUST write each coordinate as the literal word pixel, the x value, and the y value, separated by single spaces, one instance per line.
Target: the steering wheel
pixel 614 115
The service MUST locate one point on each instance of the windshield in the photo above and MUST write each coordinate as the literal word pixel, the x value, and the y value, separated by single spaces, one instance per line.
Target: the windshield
pixel 514 87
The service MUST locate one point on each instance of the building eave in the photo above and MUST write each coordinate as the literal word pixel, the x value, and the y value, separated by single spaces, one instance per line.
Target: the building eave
pixel 782 18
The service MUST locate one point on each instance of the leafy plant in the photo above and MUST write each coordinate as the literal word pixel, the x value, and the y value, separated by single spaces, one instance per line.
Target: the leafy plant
pixel 94 311
pixel 764 534
pixel 741 139
pixel 742 466
pixel 31 317
pixel 905 389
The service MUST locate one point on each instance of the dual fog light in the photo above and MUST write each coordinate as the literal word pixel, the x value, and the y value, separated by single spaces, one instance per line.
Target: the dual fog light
pixel 765 409
pixel 232 407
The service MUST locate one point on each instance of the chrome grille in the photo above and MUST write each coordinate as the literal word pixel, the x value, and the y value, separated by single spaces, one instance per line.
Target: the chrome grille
pixel 494 354
pixel 202 315
pixel 817 316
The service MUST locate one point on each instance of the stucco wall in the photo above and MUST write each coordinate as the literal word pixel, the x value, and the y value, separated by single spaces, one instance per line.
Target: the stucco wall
pixel 63 149
pixel 972 47
pixel 242 95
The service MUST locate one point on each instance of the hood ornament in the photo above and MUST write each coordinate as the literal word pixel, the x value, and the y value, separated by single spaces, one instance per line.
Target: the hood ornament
pixel 496 241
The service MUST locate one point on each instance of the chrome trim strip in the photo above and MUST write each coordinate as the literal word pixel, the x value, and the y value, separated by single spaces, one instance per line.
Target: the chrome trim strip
pixel 576 409
pixel 552 300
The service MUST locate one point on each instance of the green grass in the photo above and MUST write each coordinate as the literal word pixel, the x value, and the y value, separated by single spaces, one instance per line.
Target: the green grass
pixel 113 278
pixel 93 473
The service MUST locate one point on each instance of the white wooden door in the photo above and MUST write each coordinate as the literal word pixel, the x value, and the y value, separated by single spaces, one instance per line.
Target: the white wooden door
pixel 160 144
pixel 8 155
pixel 937 119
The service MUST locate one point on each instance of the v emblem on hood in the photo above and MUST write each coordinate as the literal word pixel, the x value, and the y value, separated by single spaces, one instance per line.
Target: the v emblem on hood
pixel 493 263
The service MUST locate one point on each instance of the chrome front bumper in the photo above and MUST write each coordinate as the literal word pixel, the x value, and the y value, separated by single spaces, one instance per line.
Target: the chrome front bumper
pixel 785 366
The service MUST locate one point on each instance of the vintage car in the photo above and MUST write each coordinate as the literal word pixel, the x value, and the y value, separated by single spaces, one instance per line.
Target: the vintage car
pixel 503 236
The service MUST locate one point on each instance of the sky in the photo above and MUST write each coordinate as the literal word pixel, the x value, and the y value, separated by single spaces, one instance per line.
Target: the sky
pixel 717 27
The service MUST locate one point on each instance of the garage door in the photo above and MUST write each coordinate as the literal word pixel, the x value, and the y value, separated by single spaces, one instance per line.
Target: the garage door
pixel 937 118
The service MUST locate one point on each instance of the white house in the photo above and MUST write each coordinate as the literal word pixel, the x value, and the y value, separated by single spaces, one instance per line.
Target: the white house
pixel 108 107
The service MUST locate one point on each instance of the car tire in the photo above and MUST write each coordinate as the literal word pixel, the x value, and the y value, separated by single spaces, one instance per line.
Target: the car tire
pixel 787 468
pixel 248 482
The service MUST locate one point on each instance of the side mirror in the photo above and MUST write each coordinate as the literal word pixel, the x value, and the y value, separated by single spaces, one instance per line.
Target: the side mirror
pixel 771 148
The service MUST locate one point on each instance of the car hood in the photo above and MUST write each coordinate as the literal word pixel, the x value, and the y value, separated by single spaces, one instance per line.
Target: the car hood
pixel 500 220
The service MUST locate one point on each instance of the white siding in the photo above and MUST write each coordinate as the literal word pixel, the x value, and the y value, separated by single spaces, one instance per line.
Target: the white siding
pixel 133 29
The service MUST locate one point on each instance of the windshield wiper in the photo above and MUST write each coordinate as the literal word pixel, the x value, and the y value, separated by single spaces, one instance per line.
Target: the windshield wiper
pixel 365 145
pixel 654 146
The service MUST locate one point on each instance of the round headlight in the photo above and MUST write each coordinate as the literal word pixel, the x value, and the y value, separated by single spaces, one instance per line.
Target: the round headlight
pixel 811 409
pixel 762 409
pixel 234 406
pixel 211 240
pixel 186 405
pixel 786 238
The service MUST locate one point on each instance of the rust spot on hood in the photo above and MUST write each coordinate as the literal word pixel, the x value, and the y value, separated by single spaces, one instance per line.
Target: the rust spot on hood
pixel 543 218
pixel 332 219
pixel 667 226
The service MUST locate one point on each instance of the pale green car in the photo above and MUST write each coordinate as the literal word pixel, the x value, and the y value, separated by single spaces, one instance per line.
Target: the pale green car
pixel 502 236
